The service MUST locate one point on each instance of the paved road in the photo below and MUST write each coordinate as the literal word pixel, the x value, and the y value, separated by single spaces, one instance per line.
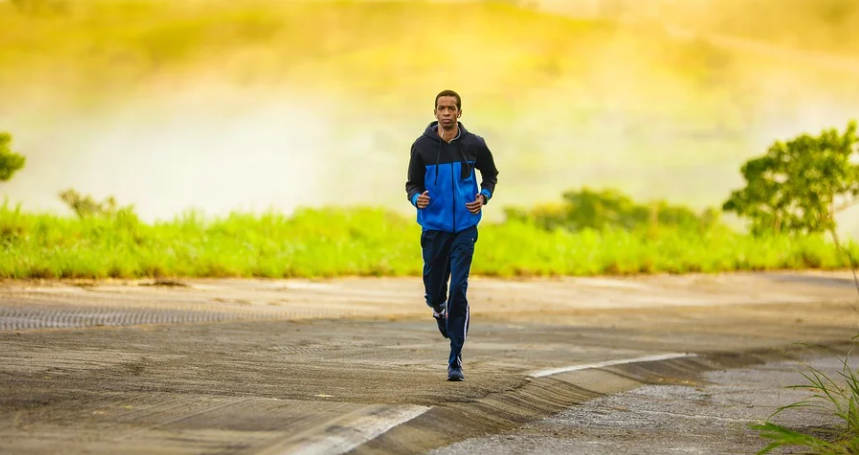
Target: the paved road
pixel 708 416
pixel 329 367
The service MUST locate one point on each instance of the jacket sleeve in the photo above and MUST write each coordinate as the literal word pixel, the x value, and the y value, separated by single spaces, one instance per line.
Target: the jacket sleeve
pixel 485 163
pixel 415 179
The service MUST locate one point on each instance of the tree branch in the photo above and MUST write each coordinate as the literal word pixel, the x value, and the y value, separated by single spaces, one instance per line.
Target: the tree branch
pixel 845 206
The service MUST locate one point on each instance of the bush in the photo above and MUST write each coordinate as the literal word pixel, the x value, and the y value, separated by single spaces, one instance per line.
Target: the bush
pixel 611 209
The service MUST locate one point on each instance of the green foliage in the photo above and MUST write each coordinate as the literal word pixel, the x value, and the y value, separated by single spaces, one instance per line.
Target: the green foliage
pixel 332 242
pixel 611 209
pixel 799 185
pixel 842 401
pixel 10 162
pixel 785 437
pixel 86 206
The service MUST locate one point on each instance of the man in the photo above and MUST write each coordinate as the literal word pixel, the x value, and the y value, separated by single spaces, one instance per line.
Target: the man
pixel 443 187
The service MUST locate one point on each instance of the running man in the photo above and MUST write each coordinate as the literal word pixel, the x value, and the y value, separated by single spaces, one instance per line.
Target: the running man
pixel 442 186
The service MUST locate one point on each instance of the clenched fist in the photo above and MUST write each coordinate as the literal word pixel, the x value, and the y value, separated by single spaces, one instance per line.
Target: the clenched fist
pixel 423 200
pixel 475 207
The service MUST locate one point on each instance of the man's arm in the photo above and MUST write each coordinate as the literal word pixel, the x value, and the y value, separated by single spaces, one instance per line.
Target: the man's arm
pixel 415 181
pixel 486 165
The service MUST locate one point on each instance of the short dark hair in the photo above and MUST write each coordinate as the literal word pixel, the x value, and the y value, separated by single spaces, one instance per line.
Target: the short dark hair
pixel 449 93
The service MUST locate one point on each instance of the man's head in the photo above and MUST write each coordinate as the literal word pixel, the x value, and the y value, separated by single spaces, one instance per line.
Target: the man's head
pixel 448 109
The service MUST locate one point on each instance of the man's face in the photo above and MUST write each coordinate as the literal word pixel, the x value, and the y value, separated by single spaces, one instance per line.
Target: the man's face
pixel 446 111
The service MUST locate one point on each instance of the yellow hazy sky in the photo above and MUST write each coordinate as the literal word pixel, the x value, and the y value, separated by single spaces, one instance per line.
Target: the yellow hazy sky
pixel 253 105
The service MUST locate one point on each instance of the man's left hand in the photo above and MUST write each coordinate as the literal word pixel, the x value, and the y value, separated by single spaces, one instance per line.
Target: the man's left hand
pixel 475 207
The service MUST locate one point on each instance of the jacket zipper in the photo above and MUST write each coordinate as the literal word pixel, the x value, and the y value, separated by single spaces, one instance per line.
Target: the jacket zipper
pixel 453 188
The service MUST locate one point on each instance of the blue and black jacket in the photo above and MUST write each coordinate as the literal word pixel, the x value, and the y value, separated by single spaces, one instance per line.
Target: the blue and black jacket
pixel 446 171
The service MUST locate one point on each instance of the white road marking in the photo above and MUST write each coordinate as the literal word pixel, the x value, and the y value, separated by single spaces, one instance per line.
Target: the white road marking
pixel 607 363
pixel 352 430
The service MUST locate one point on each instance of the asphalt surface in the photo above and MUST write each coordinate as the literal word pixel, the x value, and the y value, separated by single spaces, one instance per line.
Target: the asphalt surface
pixel 708 416
pixel 358 366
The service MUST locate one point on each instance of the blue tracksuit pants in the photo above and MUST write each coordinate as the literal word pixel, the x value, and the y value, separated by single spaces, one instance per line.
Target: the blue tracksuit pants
pixel 447 256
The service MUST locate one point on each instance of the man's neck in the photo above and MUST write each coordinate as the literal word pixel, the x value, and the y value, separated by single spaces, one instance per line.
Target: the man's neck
pixel 448 135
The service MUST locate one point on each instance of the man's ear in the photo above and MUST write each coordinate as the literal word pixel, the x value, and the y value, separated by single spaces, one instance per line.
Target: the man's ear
pixel 459 114
pixel 435 113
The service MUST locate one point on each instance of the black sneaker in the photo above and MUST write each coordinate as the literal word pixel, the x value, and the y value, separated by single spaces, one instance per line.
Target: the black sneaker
pixel 441 320
pixel 455 374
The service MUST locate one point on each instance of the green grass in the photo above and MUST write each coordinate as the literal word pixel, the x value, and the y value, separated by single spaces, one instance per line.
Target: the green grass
pixel 365 242
pixel 837 395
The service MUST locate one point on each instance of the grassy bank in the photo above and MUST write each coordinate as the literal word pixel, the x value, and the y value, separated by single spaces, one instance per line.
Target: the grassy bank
pixel 367 242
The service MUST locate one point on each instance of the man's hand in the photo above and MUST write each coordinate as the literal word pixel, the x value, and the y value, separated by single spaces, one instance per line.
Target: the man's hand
pixel 423 200
pixel 474 207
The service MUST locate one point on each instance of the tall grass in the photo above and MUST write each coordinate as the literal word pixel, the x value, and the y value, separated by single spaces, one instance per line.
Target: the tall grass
pixel 332 242
pixel 837 396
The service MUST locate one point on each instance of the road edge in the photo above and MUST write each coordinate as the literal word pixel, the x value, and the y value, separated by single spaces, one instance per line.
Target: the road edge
pixel 542 397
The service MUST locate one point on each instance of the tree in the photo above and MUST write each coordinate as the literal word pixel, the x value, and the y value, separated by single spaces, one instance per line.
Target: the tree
pixel 800 185
pixel 10 162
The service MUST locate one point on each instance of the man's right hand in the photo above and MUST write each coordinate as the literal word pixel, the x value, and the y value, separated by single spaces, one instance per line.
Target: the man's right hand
pixel 423 200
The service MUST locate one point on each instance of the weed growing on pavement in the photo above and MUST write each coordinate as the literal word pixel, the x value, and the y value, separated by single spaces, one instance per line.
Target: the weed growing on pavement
pixel 838 396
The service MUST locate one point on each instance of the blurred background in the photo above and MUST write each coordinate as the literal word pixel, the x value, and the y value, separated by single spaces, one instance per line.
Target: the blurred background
pixel 278 104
